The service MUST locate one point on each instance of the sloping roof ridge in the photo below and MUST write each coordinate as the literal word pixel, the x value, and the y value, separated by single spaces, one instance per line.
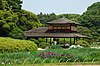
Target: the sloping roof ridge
pixel 60 19
pixel 63 20
pixel 39 28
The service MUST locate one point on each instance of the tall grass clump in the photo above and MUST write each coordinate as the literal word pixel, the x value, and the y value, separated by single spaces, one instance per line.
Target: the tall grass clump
pixel 75 55
pixel 52 56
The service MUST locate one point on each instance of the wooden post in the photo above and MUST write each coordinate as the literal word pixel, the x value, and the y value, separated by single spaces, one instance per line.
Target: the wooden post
pixel 76 39
pixel 58 40
pixel 53 39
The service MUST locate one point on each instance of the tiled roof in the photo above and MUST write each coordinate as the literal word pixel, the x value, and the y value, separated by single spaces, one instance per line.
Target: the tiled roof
pixel 62 21
pixel 38 30
pixel 43 32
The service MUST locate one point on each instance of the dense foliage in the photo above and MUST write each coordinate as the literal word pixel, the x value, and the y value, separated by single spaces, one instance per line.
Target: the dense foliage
pixel 82 43
pixel 41 42
pixel 14 20
pixel 15 45
pixel 44 18
pixel 91 19
pixel 54 47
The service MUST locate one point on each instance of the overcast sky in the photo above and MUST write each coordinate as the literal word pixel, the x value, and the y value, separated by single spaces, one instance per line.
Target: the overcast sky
pixel 57 6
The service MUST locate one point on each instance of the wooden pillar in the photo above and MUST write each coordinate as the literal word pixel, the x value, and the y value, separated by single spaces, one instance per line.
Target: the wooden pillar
pixel 70 41
pixel 53 39
pixel 76 39
pixel 58 40
pixel 50 41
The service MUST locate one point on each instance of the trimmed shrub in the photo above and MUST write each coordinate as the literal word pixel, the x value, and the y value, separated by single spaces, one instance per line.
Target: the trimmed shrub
pixel 82 43
pixel 15 45
pixel 55 47
pixel 41 40
pixel 43 45
pixel 35 41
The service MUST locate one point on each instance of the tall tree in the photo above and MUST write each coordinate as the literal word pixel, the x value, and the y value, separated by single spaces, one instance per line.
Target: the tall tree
pixel 91 18
pixel 73 17
pixel 15 5
pixel 50 17
pixel 28 20
pixel 47 17
pixel 14 21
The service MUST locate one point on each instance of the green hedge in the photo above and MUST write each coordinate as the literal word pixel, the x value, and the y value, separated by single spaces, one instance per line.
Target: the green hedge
pixel 15 45
pixel 82 43
pixel 44 45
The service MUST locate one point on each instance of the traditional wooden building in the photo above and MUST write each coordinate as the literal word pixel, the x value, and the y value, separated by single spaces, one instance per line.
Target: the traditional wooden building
pixel 60 28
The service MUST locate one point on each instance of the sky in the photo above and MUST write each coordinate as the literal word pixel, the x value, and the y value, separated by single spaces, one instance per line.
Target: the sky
pixel 57 6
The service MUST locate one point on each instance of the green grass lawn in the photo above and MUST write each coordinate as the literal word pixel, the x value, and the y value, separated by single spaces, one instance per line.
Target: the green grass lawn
pixel 61 64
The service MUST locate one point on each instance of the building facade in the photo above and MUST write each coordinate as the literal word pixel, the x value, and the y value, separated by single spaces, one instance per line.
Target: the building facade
pixel 60 28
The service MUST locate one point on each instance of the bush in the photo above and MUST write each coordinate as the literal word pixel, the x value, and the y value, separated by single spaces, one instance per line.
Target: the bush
pixel 36 41
pixel 17 33
pixel 15 45
pixel 67 40
pixel 82 43
pixel 98 43
pixel 41 40
pixel 43 45
pixel 55 47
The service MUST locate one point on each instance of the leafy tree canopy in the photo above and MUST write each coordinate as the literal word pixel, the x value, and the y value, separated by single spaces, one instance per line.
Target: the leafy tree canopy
pixel 14 20
pixel 44 18
pixel 91 18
